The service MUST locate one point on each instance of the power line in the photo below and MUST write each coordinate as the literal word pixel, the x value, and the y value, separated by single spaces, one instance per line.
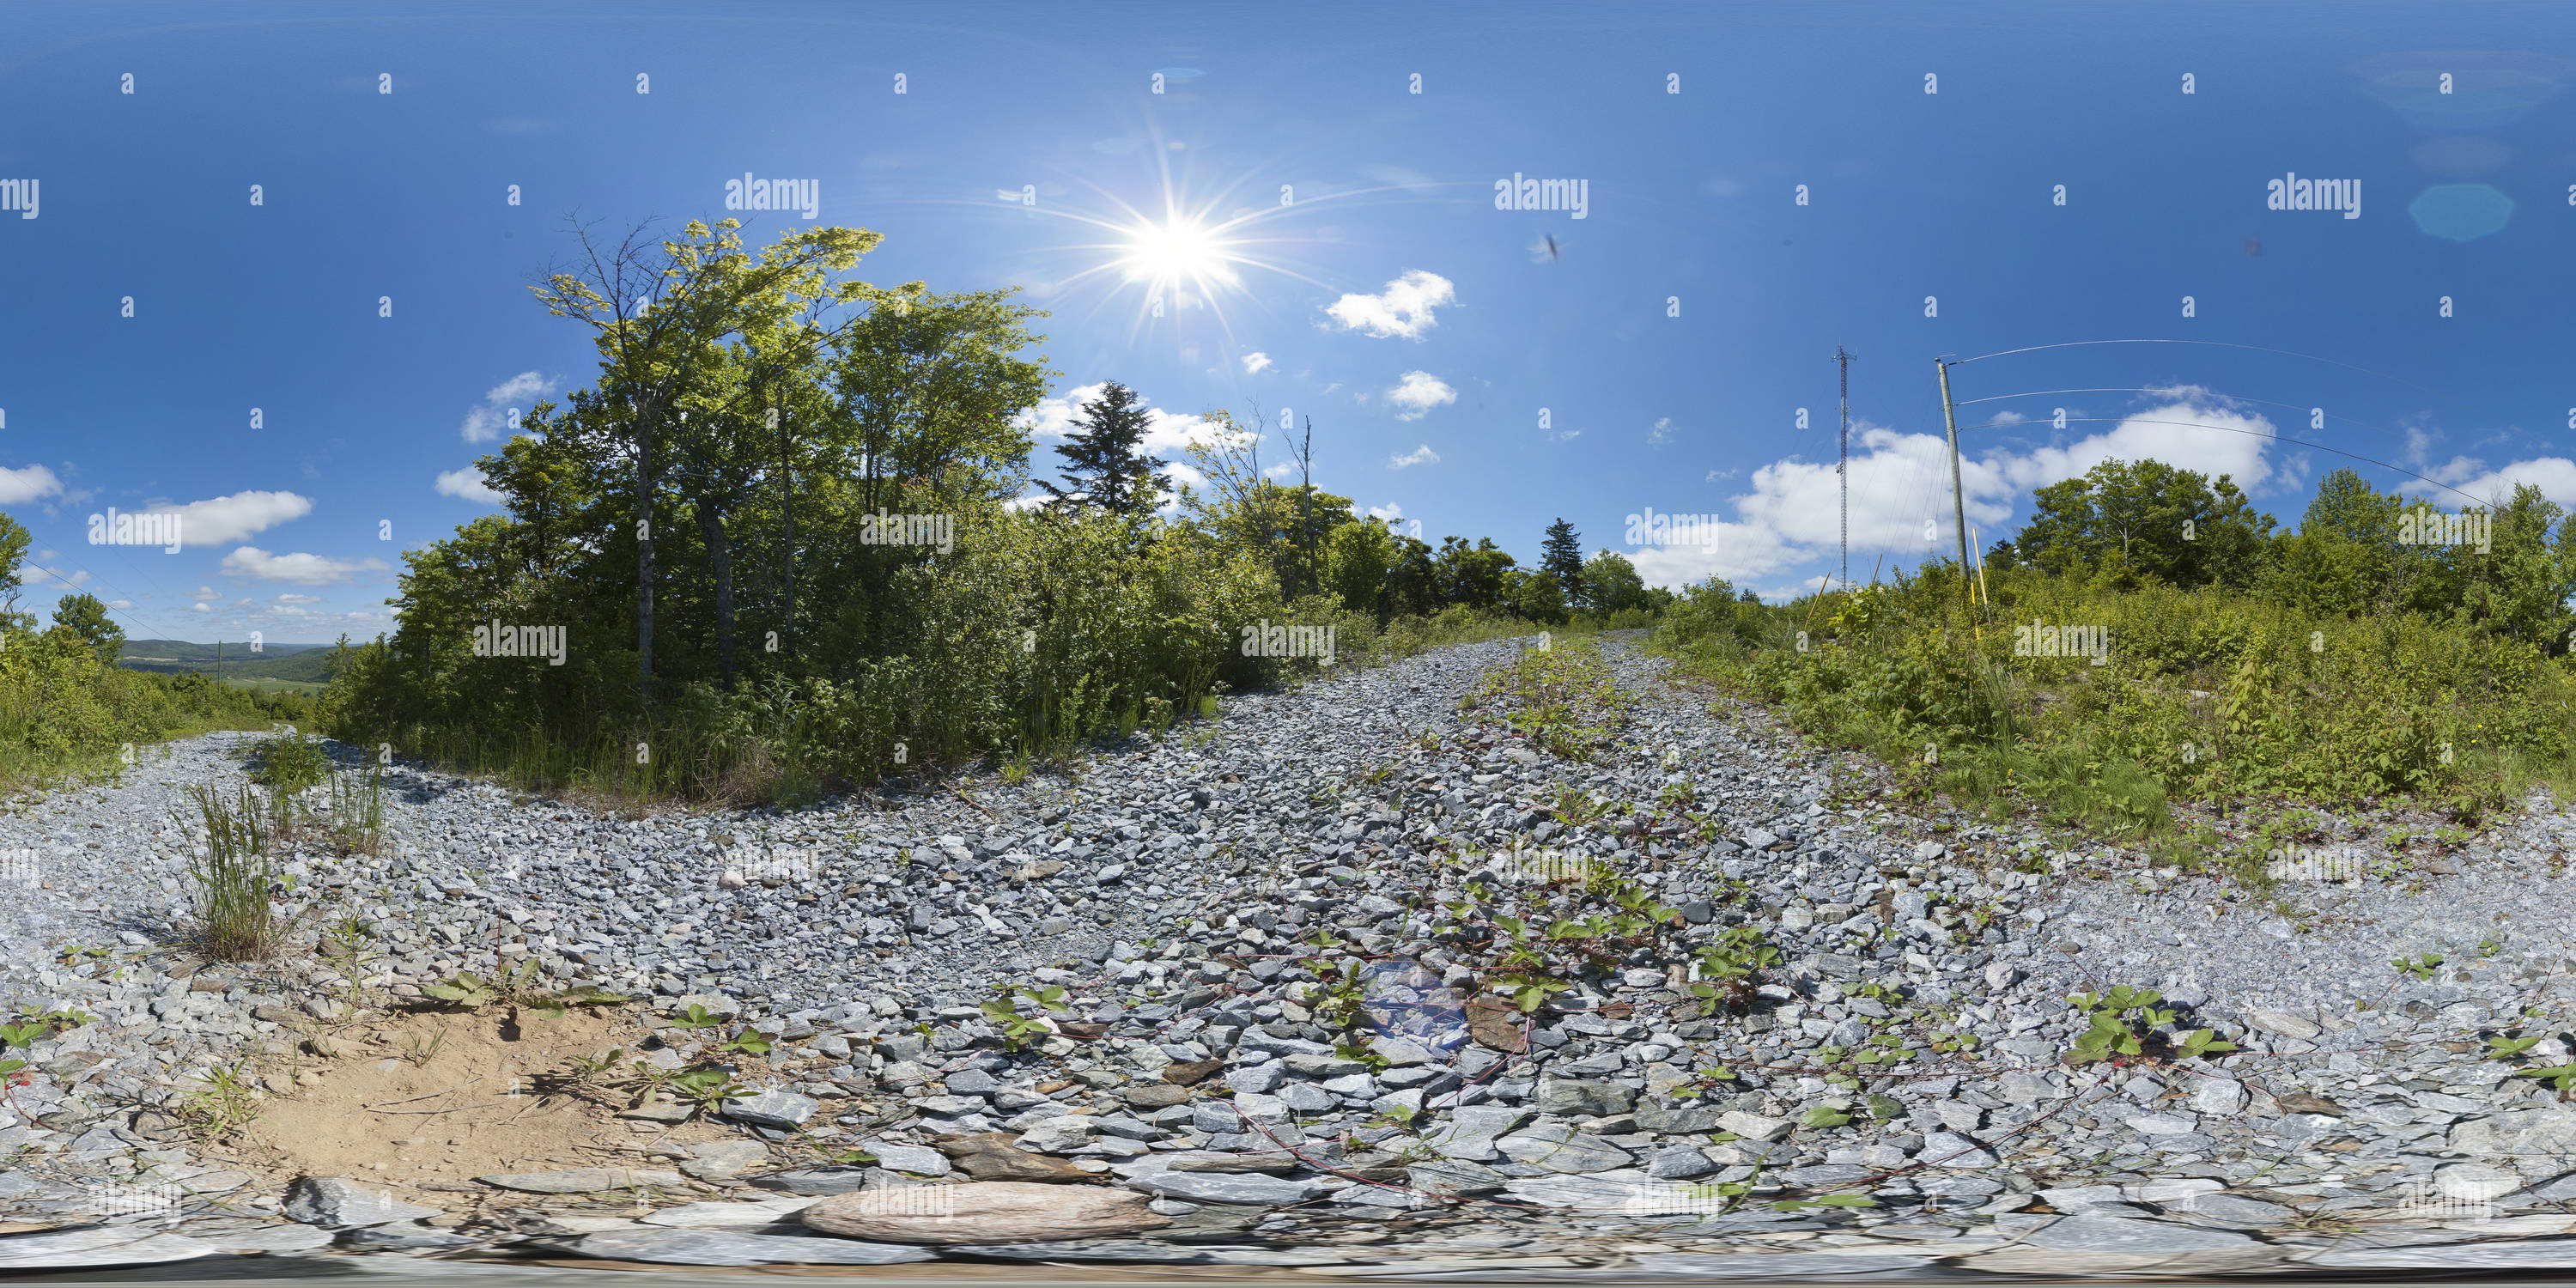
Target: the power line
pixel 2227 429
pixel 2222 344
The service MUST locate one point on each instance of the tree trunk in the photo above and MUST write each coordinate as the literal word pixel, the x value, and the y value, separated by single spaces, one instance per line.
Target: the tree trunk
pixel 644 561
pixel 711 528
pixel 787 508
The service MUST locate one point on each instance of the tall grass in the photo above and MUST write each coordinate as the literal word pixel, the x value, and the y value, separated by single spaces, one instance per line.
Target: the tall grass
pixel 232 878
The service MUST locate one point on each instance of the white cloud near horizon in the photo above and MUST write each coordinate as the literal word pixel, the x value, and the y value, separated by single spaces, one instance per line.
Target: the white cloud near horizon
pixel 1791 513
pixel 298 569
pixel 1422 455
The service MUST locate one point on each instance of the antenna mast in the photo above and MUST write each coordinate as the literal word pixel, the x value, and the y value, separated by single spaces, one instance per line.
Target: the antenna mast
pixel 1843 470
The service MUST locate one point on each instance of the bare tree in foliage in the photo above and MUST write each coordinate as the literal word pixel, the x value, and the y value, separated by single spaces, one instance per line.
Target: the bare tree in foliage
pixel 661 311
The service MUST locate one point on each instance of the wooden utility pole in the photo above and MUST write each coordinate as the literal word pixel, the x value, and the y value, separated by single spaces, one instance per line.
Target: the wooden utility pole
pixel 1958 501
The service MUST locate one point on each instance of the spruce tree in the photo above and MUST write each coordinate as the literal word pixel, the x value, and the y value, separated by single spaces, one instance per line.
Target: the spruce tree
pixel 1562 554
pixel 1104 466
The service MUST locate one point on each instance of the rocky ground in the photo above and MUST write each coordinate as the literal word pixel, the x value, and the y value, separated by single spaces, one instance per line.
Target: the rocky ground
pixel 1410 972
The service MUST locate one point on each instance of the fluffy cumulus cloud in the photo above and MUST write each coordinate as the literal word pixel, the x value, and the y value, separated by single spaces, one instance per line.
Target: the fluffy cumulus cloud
pixel 1790 513
pixel 297 569
pixel 1166 433
pixel 1659 433
pixel 1255 362
pixel 34 483
pixel 1402 309
pixel 490 419
pixel 1417 392
pixel 467 484
pixel 2555 476
pixel 232 518
pixel 1422 455
pixel 1387 513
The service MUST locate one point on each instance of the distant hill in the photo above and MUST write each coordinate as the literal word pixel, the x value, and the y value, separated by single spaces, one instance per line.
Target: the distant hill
pixel 305 662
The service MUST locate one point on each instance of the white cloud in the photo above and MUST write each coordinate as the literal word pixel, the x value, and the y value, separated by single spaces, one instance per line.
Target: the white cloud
pixel 2457 469
pixel 1281 470
pixel 490 420
pixel 205 593
pixel 1422 455
pixel 1387 513
pixel 231 518
pixel 1165 432
pixel 300 569
pixel 1254 362
pixel 1417 392
pixel 1660 433
pixel 467 484
pixel 2006 418
pixel 1026 502
pixel 2555 476
pixel 291 598
pixel 201 608
pixel 18 487
pixel 1791 513
pixel 120 603
pixel 1402 309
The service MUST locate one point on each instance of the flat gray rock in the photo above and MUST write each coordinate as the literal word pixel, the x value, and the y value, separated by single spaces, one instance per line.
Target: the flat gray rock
pixel 274 1238
pixel 1141 1251
pixel 780 1109
pixel 2513 1254
pixel 1562 1149
pixel 724 1248
pixel 335 1202
pixel 97 1245
pixel 2085 1232
pixel 1231 1187
pixel 584 1180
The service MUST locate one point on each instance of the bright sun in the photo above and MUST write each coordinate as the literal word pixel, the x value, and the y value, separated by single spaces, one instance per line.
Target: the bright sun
pixel 1178 252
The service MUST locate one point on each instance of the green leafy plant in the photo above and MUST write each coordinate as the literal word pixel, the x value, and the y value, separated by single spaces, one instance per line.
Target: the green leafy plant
pixel 291 763
pixel 1018 1030
pixel 2420 966
pixel 708 1089
pixel 226 1104
pixel 2123 1026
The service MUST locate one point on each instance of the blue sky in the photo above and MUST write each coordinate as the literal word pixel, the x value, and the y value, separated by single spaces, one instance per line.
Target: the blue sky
pixel 1422 329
